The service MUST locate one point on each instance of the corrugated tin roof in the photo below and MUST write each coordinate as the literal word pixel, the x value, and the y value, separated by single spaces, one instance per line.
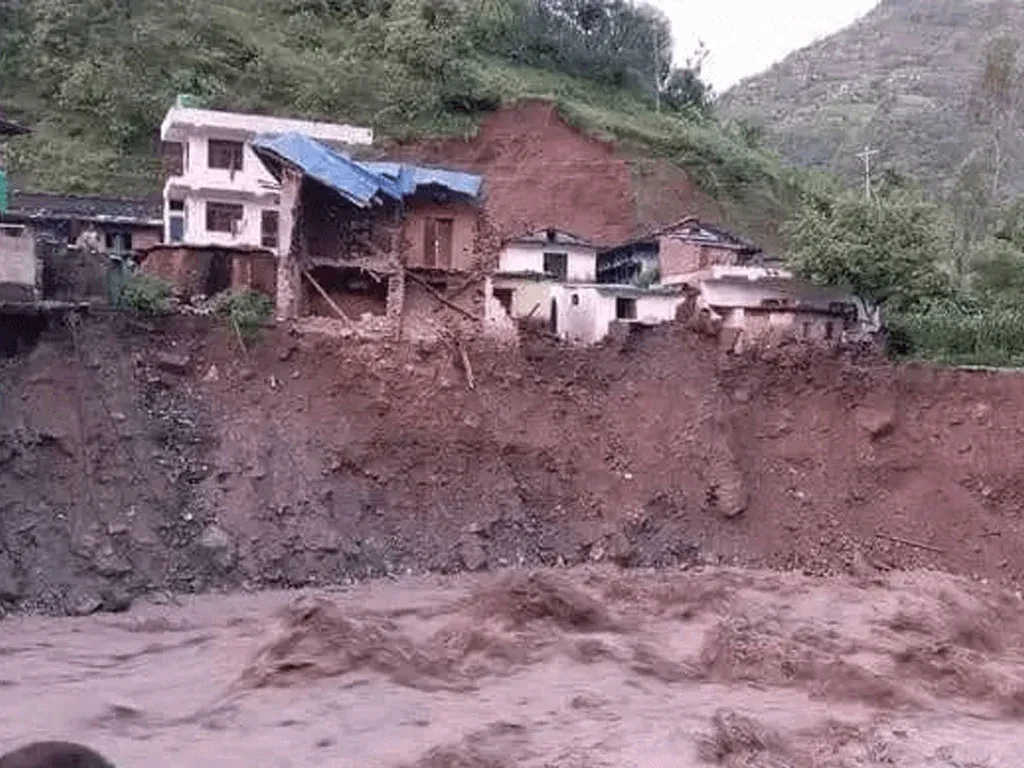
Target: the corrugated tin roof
pixel 410 178
pixel 693 230
pixel 554 236
pixel 361 182
pixel 37 205
pixel 332 169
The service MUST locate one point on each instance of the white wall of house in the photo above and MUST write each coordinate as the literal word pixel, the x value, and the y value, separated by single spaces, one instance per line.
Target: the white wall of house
pixel 251 185
pixel 529 257
pixel 18 264
pixel 585 313
pixel 530 298
pixel 247 233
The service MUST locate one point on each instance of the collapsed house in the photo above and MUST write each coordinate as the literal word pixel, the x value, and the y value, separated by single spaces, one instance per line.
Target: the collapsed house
pixel 755 305
pixel 740 290
pixel 60 247
pixel 364 240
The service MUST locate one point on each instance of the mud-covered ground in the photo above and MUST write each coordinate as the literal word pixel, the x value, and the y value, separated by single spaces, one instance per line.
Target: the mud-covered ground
pixel 137 461
pixel 563 668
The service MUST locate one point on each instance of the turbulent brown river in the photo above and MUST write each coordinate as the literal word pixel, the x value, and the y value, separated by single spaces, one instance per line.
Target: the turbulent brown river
pixel 567 669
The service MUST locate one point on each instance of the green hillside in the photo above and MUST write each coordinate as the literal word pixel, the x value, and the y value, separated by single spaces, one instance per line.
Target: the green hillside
pixel 94 79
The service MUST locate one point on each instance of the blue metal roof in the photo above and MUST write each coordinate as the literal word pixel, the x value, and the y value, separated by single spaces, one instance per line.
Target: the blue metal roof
pixel 361 182
pixel 333 169
pixel 410 178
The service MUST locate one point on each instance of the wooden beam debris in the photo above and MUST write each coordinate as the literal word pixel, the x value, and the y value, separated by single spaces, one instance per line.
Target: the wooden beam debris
pixel 328 299
pixel 470 381
pixel 909 543
pixel 417 279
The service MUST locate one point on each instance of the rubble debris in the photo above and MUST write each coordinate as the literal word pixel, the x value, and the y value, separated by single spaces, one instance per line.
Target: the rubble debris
pixel 173 362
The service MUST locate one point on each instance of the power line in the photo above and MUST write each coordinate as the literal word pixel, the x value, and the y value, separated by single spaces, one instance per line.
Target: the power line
pixel 866 156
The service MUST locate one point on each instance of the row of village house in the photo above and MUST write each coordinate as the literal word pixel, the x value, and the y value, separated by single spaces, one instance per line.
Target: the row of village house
pixel 283 206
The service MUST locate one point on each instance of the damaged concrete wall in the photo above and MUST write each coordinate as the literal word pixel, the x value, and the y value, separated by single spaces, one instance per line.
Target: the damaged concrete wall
pixel 208 271
pixel 256 271
pixel 356 292
pixel 424 316
pixel 289 248
pixel 744 327
pixel 72 273
pixel 333 232
pixel 19 272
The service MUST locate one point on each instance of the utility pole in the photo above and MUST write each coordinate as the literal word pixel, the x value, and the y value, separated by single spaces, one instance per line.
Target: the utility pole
pixel 866 156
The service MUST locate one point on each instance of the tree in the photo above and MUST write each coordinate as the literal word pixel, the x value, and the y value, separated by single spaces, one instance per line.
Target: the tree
pixel 887 250
pixel 998 273
pixel 970 203
pixel 1002 90
pixel 684 89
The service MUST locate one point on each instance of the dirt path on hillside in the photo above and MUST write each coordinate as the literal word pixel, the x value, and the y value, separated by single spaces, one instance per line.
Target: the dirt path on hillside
pixel 550 668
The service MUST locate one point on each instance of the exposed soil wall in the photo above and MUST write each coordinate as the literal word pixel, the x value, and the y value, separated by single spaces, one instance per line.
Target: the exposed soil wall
pixel 540 172
pixel 168 460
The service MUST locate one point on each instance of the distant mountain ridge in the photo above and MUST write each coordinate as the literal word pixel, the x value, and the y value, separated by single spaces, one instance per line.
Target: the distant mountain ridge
pixel 904 79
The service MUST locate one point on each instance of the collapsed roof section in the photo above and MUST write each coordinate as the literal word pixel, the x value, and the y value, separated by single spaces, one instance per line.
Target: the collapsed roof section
pixel 363 184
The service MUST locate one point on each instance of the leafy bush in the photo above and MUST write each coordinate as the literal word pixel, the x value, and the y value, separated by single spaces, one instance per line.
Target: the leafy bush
pixel 146 294
pixel 247 311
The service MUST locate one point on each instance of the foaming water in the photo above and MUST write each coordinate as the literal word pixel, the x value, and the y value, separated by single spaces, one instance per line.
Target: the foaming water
pixel 569 668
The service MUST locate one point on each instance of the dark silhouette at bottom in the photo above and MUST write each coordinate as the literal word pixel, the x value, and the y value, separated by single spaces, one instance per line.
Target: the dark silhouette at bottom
pixel 54 754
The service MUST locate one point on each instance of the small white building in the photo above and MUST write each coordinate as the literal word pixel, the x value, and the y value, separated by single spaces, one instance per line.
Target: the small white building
pixel 584 313
pixel 531 266
pixel 219 193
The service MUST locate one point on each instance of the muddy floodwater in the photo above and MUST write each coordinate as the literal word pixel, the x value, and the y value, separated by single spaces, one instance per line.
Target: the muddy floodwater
pixel 578 669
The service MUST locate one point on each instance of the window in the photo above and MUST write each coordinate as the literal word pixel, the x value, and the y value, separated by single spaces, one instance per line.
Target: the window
pixel 437 242
pixel 223 217
pixel 12 230
pixel 557 265
pixel 268 229
pixel 625 309
pixel 828 331
pixel 575 299
pixel 225 154
pixel 176 220
pixel 119 243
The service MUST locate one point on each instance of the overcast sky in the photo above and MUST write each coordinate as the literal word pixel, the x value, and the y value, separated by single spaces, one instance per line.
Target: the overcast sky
pixel 748 36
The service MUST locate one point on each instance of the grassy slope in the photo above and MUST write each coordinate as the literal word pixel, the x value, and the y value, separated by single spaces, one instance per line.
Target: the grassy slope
pixel 247 57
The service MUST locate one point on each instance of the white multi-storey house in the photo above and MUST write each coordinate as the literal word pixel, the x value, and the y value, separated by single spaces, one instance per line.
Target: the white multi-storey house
pixel 220 194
